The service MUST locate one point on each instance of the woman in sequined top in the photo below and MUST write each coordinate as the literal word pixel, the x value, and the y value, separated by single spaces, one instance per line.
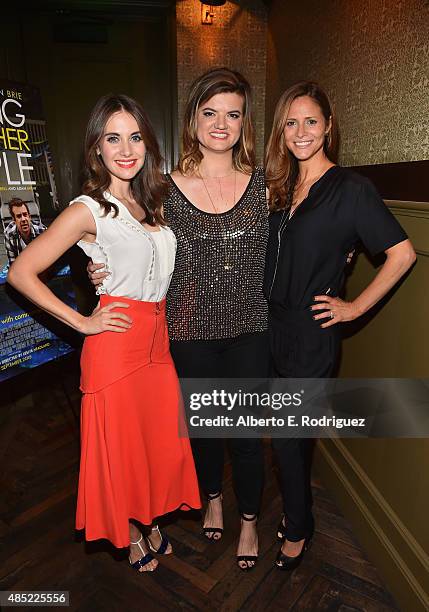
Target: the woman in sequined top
pixel 217 314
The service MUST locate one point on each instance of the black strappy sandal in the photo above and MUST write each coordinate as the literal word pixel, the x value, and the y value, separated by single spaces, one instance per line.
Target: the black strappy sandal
pixel 162 548
pixel 247 558
pixel 146 557
pixel 210 532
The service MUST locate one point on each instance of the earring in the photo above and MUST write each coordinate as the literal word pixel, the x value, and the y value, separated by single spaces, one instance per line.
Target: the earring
pixel 328 138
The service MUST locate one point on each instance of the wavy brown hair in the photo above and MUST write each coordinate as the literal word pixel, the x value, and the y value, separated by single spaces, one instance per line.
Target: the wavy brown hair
pixel 216 81
pixel 148 187
pixel 281 166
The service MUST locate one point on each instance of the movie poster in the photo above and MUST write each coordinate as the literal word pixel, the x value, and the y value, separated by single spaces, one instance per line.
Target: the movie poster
pixel 28 199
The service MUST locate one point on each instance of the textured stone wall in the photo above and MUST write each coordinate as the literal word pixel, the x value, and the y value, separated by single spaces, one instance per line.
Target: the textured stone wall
pixel 236 39
pixel 373 58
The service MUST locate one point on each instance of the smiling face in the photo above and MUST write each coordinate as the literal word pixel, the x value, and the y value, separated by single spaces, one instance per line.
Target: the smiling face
pixel 121 147
pixel 219 122
pixel 21 216
pixel 306 129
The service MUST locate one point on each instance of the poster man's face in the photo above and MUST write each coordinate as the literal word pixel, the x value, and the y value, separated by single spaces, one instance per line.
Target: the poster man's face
pixel 21 217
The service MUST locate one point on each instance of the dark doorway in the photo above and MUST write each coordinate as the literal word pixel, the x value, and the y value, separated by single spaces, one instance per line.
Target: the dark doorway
pixel 74 52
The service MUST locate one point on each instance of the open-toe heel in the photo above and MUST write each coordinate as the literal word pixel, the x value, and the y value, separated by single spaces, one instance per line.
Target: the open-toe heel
pixel 210 532
pixel 162 548
pixel 252 559
pixel 144 560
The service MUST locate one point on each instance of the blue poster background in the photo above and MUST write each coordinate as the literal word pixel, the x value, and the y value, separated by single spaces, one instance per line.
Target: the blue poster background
pixel 28 337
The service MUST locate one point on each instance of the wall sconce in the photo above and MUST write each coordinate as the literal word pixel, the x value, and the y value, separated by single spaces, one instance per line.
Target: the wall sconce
pixel 207 12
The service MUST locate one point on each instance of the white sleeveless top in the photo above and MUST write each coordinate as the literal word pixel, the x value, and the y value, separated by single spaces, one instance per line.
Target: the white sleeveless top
pixel 140 263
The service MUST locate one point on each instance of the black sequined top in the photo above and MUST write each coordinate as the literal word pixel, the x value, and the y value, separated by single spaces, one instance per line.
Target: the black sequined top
pixel 216 288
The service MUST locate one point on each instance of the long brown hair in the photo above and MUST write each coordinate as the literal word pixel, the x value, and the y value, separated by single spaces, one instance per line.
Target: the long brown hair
pixel 281 166
pixel 216 81
pixel 148 187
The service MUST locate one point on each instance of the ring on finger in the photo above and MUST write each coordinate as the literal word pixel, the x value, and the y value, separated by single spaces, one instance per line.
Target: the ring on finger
pixel 331 315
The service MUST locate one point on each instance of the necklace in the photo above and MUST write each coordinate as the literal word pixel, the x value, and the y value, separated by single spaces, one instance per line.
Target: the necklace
pixel 313 181
pixel 227 265
pixel 284 220
pixel 218 177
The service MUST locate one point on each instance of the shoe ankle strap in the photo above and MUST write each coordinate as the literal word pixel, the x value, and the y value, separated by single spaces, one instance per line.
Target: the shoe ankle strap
pixel 252 517
pixel 138 542
pixel 212 496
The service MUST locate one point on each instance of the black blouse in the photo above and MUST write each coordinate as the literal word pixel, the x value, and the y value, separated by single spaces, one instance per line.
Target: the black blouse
pixel 307 254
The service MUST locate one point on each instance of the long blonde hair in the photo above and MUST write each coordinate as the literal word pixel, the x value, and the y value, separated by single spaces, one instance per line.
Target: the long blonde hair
pixel 216 81
pixel 281 166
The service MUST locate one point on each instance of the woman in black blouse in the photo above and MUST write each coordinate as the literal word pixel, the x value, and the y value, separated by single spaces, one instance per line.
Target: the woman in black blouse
pixel 319 212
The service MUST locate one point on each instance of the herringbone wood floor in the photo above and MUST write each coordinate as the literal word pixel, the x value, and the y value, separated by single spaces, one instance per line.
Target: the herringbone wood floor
pixel 39 454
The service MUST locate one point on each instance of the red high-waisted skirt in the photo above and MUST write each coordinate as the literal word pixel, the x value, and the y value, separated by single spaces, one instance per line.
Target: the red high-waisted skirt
pixel 133 462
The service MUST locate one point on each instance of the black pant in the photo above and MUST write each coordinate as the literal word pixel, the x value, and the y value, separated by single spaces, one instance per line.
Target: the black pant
pixel 300 348
pixel 246 356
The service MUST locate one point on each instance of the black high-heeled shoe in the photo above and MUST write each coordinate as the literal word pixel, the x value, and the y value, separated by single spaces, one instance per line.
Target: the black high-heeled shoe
pixel 146 557
pixel 283 562
pixel 210 532
pixel 247 558
pixel 281 529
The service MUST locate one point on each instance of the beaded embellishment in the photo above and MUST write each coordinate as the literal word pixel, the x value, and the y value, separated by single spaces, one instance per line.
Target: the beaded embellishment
pixel 206 300
pixel 101 290
pixel 145 233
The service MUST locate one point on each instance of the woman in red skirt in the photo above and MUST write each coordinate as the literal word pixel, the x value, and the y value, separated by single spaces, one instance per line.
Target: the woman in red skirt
pixel 134 466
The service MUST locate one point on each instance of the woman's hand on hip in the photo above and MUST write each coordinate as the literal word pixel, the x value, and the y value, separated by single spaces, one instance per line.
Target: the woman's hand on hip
pixel 335 310
pixel 106 319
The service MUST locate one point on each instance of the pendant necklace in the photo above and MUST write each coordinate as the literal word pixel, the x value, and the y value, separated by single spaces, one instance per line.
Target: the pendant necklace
pixel 295 206
pixel 227 265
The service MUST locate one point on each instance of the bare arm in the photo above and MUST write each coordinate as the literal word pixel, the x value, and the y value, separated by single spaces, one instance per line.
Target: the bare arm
pixel 399 259
pixel 75 223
